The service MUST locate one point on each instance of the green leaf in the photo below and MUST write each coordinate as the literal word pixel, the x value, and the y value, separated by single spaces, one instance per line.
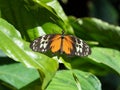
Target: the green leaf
pixel 106 56
pixel 17 75
pixel 58 9
pixel 96 30
pixel 100 62
pixel 16 48
pixel 31 16
pixel 64 80
pixel 89 65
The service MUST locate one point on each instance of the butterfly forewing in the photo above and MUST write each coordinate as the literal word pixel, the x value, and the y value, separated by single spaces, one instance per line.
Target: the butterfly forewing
pixel 42 44
pixel 80 48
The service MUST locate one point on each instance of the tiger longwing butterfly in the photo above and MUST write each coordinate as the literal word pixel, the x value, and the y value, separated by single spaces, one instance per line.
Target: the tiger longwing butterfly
pixel 68 44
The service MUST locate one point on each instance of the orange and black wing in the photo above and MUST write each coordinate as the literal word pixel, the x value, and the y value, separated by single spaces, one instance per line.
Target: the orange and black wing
pixel 44 43
pixel 55 43
pixel 75 46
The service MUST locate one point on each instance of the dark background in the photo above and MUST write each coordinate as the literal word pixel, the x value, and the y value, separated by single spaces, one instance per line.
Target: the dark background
pixel 107 10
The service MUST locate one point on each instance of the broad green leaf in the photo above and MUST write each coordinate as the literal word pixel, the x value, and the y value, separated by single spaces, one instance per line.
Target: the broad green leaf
pixel 89 65
pixel 16 48
pixel 17 75
pixel 58 9
pixel 109 57
pixel 52 12
pixel 99 61
pixel 96 30
pixel 64 80
pixel 31 15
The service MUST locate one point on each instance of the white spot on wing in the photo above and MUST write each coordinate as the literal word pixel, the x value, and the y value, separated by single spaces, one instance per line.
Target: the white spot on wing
pixel 79 46
pixel 44 45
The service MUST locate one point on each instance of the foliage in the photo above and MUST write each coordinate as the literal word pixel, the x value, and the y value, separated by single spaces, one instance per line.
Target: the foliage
pixel 24 20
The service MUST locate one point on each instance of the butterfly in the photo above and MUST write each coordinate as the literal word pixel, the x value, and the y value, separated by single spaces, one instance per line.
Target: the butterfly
pixel 67 44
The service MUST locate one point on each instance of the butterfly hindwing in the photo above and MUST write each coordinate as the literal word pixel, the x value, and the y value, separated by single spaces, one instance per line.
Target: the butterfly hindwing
pixel 41 44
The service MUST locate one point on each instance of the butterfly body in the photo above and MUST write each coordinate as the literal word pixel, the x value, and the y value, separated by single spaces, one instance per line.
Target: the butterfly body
pixel 68 44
